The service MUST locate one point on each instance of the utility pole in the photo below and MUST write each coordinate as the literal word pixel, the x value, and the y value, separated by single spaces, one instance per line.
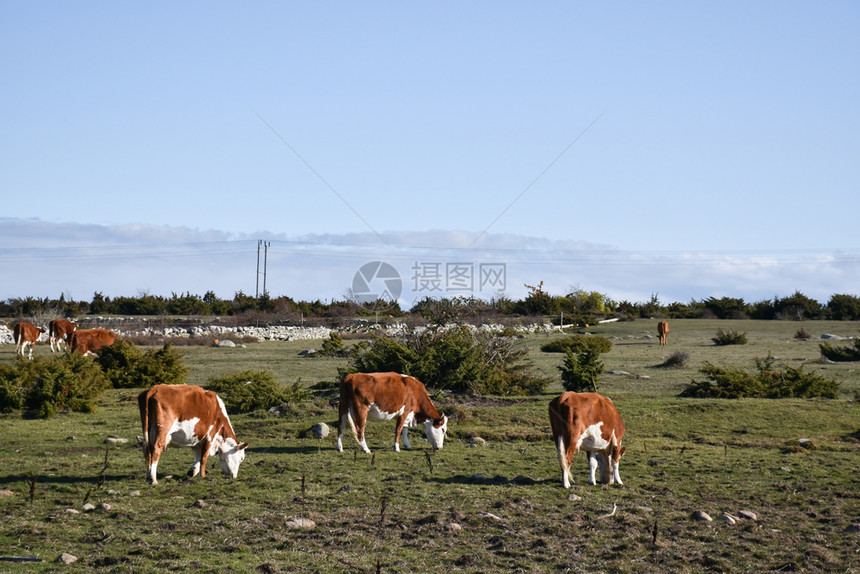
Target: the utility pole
pixel 266 245
pixel 257 288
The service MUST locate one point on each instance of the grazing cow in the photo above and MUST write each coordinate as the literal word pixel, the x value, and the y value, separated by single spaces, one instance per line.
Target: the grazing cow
pixel 187 415
pixel 26 335
pixel 383 396
pixel 88 341
pixel 59 331
pixel 589 422
pixel 663 332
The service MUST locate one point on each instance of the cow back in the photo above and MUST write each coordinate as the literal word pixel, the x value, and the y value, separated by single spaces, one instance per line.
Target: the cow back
pixel 390 392
pixel 24 331
pixel 166 404
pixel 574 412
pixel 85 341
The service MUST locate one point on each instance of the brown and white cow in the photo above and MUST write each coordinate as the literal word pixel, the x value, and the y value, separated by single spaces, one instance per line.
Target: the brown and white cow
pixel 26 335
pixel 382 397
pixel 59 331
pixel 88 341
pixel 187 415
pixel 663 332
pixel 589 422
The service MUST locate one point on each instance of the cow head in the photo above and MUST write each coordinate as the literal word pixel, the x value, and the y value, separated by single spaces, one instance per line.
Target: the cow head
pixel 231 454
pixel 436 430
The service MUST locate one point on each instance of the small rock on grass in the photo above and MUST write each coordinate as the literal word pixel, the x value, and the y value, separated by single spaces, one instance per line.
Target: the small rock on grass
pixel 295 523
pixel 320 431
pixel 728 519
pixel 702 515
pixel 747 514
pixel 67 558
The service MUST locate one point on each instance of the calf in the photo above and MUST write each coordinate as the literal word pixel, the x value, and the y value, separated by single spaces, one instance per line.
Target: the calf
pixel 382 397
pixel 188 416
pixel 88 341
pixel 59 331
pixel 663 332
pixel 26 335
pixel 589 422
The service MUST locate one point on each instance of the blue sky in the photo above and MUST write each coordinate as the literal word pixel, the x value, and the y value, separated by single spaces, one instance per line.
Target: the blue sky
pixel 684 149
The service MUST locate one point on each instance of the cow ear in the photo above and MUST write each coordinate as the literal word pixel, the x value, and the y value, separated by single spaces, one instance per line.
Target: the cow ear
pixel 241 446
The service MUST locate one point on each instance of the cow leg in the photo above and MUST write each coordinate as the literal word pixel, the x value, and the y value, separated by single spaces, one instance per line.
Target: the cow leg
pixel 614 474
pixel 152 456
pixel 356 417
pixel 359 419
pixel 593 464
pixel 346 419
pixel 341 427
pixel 401 430
pixel 204 456
pixel 196 468
pixel 564 462
pixel 156 445
pixel 361 442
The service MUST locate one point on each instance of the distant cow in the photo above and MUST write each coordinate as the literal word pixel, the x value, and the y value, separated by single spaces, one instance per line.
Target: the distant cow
pixel 59 331
pixel 191 416
pixel 382 397
pixel 589 422
pixel 88 341
pixel 26 335
pixel 663 332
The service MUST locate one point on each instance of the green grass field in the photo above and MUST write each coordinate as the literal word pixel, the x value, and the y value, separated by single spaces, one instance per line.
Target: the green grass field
pixel 497 507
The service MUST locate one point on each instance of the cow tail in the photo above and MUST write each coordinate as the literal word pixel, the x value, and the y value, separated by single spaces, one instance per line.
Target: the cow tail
pixel 347 399
pixel 143 404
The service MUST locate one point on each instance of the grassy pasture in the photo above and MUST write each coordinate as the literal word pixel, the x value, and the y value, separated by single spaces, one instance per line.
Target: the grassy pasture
pixel 393 512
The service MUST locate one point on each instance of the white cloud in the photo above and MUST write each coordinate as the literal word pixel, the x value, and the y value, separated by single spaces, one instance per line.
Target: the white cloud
pixel 44 260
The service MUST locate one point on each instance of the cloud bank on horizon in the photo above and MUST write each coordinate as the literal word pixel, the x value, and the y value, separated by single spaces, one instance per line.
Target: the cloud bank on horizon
pixel 46 260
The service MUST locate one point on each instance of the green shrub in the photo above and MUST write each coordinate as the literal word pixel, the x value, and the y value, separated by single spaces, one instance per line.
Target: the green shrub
pixel 577 344
pixel 43 387
pixel 126 367
pixel 11 391
pixel 735 383
pixel 459 360
pixel 729 338
pixel 331 347
pixel 247 391
pixel 841 354
pixel 579 371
